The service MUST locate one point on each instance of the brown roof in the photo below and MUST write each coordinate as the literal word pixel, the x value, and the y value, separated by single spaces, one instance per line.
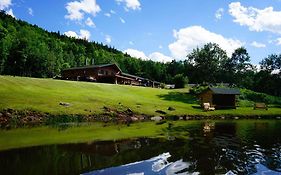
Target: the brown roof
pixel 93 66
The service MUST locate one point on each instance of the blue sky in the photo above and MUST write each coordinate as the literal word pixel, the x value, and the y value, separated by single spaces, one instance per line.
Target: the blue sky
pixel 160 30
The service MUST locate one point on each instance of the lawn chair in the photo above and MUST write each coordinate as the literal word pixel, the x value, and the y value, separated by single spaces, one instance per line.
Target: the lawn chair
pixel 207 107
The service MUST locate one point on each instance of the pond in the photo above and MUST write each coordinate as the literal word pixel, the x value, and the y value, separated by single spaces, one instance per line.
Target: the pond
pixel 208 147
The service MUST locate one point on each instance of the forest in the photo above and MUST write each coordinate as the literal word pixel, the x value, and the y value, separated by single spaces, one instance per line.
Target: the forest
pixel 30 51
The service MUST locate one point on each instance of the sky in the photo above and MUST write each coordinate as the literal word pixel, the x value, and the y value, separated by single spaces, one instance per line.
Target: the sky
pixel 160 30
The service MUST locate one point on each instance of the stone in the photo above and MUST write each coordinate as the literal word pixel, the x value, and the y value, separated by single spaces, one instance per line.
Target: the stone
pixel 129 110
pixel 134 119
pixel 171 108
pixel 64 104
pixel 156 118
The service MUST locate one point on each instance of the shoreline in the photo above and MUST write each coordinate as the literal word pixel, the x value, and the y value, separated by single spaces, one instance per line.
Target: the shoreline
pixel 10 118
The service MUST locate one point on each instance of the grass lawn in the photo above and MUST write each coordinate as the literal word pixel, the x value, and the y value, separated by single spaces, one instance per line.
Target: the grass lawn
pixel 45 95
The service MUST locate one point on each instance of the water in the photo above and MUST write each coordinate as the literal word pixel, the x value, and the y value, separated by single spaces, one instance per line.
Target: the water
pixel 221 147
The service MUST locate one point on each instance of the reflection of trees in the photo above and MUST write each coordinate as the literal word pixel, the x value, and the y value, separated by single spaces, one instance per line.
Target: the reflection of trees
pixel 229 146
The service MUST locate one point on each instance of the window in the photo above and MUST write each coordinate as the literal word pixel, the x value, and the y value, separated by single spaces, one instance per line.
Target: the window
pixel 101 72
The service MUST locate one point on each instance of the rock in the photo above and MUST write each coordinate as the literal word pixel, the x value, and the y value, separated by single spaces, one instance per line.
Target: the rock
pixel 10 110
pixel 141 118
pixel 171 109
pixel 129 110
pixel 134 119
pixel 106 109
pixel 160 112
pixel 1 115
pixel 8 114
pixel 64 104
pixel 181 118
pixel 156 118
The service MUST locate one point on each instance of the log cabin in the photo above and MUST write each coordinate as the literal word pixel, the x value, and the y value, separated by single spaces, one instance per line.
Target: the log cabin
pixel 106 73
pixel 219 97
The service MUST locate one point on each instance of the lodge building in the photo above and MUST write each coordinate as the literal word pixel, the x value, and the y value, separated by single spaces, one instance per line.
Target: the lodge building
pixel 106 73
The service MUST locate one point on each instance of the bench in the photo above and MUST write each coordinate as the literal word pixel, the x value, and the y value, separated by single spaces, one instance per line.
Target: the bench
pixel 260 106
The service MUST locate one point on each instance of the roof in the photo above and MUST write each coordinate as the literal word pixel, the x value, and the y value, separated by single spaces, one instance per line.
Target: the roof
pixel 132 76
pixel 93 66
pixel 226 91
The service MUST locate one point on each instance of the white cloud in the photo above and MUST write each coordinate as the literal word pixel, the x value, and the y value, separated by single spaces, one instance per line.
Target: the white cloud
pixel 278 41
pixel 112 12
pixel 219 13
pixel 136 53
pixel 84 34
pixel 258 45
pixel 108 39
pixel 107 14
pixel 256 19
pixel 10 12
pixel 122 20
pixel 71 34
pixel 131 42
pixel 30 11
pixel 160 47
pixel 4 4
pixel 196 36
pixel 77 9
pixel 90 23
pixel 130 4
pixel 157 56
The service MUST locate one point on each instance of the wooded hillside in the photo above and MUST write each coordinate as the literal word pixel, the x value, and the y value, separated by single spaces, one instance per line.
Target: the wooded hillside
pixel 28 50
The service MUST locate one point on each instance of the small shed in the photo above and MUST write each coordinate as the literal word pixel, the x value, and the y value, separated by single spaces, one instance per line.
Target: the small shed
pixel 220 97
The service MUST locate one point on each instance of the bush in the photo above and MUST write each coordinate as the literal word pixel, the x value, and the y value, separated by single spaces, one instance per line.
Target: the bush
pixel 259 97
pixel 180 80
pixel 197 89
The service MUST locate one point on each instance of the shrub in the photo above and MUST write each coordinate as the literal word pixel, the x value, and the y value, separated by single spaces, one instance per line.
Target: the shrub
pixel 197 89
pixel 180 80
pixel 259 97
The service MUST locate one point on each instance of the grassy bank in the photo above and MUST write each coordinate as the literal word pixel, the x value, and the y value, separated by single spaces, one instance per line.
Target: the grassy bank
pixel 44 95
pixel 24 137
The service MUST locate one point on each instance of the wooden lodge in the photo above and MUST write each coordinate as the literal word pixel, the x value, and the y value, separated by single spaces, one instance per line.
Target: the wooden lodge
pixel 219 97
pixel 106 73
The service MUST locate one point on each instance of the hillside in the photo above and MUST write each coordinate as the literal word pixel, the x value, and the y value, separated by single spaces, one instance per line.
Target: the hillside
pixel 28 50
pixel 90 98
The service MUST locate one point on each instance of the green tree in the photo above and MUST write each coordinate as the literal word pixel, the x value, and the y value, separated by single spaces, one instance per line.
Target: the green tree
pixel 207 62
pixel 180 80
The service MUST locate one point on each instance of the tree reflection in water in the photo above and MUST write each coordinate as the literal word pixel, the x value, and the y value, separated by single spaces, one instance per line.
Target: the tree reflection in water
pixel 240 146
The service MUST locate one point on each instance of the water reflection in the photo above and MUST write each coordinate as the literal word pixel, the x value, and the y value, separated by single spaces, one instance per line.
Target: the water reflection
pixel 233 147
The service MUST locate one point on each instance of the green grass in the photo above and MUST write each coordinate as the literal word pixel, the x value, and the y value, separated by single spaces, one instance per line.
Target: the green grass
pixel 45 95
pixel 24 137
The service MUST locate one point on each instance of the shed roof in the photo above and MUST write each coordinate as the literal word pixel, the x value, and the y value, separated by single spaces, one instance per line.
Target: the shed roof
pixel 226 91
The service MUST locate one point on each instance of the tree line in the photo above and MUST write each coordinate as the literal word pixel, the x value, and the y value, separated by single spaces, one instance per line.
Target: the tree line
pixel 28 50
